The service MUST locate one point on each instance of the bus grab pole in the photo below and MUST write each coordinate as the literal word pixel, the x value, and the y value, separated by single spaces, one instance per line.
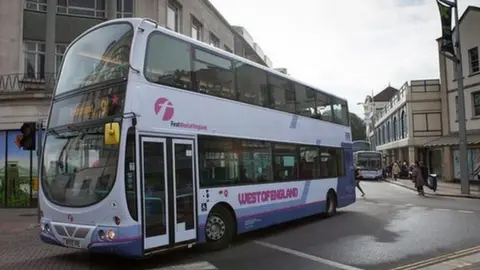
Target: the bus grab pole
pixel 39 166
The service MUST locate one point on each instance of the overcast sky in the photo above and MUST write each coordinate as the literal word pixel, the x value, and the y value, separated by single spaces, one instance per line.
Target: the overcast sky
pixel 347 47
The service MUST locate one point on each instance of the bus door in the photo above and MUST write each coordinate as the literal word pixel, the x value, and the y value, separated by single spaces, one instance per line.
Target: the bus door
pixel 168 187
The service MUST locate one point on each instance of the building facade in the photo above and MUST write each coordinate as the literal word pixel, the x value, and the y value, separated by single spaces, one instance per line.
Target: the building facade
pixel 411 118
pixel 373 105
pixel 447 145
pixel 34 34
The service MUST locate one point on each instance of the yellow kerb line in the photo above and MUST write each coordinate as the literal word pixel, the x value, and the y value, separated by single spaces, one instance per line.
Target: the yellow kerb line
pixel 442 258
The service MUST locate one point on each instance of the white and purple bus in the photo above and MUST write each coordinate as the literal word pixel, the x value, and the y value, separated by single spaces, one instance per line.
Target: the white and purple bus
pixel 157 141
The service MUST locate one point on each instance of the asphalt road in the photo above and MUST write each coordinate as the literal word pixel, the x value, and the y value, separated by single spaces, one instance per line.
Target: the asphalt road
pixel 389 227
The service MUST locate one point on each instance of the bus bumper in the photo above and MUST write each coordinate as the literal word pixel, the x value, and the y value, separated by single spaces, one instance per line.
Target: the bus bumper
pixel 123 241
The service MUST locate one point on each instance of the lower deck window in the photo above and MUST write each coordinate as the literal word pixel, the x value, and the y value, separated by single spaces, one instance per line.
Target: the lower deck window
pixel 228 161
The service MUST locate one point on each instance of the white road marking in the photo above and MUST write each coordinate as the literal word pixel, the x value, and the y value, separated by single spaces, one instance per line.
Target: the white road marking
pixel 189 266
pixel 466 211
pixel 307 256
pixel 383 204
pixel 419 208
pixel 442 209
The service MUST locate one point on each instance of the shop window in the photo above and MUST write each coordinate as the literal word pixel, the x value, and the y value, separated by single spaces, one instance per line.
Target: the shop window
pixel 3 160
pixel 17 173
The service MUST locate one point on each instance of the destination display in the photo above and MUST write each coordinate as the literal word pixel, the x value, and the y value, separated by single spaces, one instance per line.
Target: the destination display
pixel 89 106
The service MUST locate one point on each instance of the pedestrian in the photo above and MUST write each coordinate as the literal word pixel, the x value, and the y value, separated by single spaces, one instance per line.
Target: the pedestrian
pixel 395 171
pixel 357 181
pixel 424 171
pixel 417 178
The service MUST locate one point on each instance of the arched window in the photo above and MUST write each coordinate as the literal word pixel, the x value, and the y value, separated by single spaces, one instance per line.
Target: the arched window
pixel 395 131
pixel 389 139
pixel 402 124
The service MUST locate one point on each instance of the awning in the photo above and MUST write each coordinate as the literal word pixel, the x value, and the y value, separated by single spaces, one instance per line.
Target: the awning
pixel 453 139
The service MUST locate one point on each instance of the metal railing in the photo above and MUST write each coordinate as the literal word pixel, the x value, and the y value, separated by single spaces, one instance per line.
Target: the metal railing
pixel 27 82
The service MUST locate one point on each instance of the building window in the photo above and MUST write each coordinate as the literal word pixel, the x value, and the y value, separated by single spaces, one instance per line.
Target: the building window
pixel 173 16
pixel 86 8
pixel 476 103
pixel 34 57
pixel 226 48
pixel 59 51
pixel 124 8
pixel 196 29
pixel 473 60
pixel 395 132
pixel 389 139
pixel 37 5
pixel 214 40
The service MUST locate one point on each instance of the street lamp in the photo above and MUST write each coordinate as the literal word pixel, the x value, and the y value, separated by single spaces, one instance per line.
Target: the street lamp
pixel 370 122
pixel 448 46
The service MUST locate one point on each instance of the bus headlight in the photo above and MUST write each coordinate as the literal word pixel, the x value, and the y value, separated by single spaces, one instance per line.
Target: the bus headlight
pixel 101 235
pixel 110 235
pixel 45 227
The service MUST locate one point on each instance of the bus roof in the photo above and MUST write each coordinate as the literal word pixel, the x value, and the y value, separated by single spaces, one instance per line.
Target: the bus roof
pixel 370 152
pixel 139 21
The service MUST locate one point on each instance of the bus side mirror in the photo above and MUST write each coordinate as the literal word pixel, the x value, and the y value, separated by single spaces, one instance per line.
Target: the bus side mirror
pixel 112 134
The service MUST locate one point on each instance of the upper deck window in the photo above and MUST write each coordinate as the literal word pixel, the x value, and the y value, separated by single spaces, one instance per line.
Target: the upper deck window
pixel 178 63
pixel 100 55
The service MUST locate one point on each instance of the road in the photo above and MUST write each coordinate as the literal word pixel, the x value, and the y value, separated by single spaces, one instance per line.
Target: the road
pixel 389 227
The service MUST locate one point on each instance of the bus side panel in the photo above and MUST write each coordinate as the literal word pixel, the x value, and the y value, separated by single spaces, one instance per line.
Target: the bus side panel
pixel 346 184
pixel 254 209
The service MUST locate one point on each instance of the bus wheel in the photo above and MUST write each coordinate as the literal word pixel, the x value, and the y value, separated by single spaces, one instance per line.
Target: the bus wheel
pixel 331 206
pixel 219 228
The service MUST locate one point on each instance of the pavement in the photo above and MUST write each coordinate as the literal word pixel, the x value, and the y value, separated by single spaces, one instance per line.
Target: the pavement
pixel 443 188
pixel 390 228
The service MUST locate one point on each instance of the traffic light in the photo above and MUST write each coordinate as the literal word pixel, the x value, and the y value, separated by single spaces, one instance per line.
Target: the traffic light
pixel 26 139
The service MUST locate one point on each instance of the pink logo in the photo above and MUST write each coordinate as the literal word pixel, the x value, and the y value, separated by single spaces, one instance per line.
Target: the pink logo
pixel 225 193
pixel 164 107
pixel 70 218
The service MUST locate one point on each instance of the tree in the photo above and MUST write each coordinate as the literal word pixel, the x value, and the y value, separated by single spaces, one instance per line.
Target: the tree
pixel 358 127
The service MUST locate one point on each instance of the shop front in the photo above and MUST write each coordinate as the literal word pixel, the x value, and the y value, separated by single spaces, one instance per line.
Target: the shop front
pixel 473 163
pixel 18 173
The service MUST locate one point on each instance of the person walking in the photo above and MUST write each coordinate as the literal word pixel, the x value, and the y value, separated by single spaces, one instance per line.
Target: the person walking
pixel 425 175
pixel 395 171
pixel 357 181
pixel 417 178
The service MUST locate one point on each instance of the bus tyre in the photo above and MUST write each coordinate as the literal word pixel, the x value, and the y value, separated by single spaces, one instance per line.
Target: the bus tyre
pixel 331 206
pixel 219 228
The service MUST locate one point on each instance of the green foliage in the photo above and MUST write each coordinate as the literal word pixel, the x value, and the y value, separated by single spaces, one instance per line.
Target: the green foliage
pixel 358 127
pixel 20 199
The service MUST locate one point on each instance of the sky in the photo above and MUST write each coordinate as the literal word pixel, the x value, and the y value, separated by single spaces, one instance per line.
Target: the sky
pixel 345 47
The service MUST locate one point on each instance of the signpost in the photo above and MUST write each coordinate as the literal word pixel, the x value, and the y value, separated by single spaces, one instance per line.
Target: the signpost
pixel 453 51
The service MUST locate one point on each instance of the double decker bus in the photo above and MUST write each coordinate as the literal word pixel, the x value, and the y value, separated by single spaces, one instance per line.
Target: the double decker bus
pixel 157 141
pixel 361 145
pixel 369 164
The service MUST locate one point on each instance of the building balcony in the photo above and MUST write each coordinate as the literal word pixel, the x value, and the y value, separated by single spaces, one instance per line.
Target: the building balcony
pixel 23 85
